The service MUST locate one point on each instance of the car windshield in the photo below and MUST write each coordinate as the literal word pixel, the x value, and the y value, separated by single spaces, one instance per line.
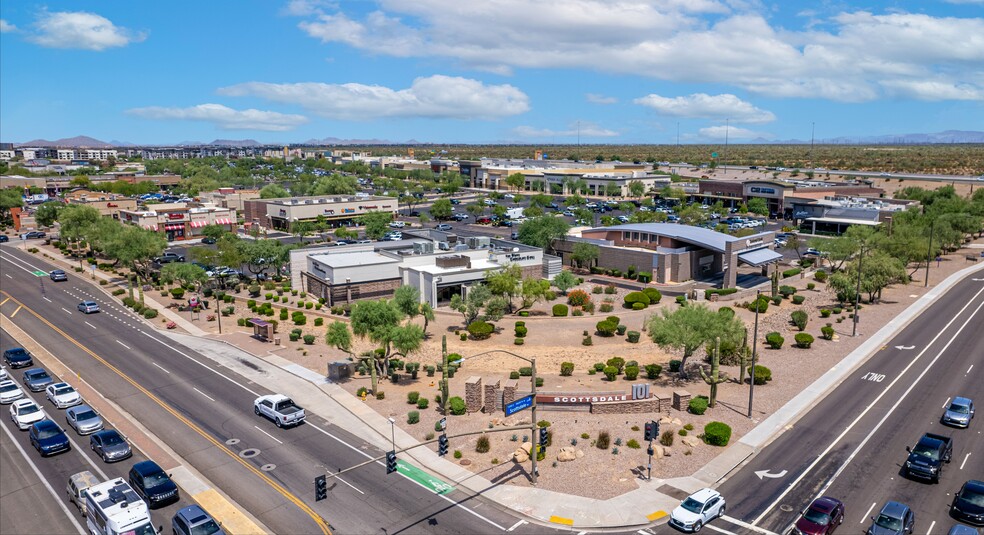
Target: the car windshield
pixel 28 409
pixel 972 496
pixel 959 409
pixel 85 415
pixel 37 375
pixel 17 352
pixel 927 452
pixel 64 390
pixel 48 431
pixel 8 388
pixel 817 517
pixel 143 529
pixel 111 440
pixel 155 479
pixel 888 522
pixel 206 528
pixel 692 505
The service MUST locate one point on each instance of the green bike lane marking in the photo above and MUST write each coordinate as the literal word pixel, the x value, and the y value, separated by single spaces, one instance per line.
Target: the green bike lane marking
pixel 423 478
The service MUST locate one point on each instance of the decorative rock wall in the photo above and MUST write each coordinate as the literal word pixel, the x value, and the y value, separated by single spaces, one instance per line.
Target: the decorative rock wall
pixel 473 394
pixel 681 400
pixel 509 391
pixel 491 394
pixel 637 406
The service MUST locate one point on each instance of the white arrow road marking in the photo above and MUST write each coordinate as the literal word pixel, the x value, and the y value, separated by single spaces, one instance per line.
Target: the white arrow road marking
pixel 765 473
pixel 905 347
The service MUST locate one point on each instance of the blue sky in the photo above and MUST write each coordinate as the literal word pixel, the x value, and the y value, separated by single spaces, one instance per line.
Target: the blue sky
pixel 494 71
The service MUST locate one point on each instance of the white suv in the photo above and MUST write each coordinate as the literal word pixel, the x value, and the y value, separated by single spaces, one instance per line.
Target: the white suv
pixel 698 509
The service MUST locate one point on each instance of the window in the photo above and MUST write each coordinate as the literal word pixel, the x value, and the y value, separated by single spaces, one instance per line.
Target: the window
pixel 625 235
pixel 635 236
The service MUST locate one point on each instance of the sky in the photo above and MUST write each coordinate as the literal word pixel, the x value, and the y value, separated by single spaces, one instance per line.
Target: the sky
pixel 492 71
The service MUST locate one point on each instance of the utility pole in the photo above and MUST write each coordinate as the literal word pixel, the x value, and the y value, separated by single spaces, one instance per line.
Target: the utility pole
pixel 533 436
pixel 751 379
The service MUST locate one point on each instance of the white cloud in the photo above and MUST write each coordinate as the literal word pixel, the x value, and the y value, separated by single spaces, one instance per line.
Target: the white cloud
pixel 435 96
pixel 600 99
pixel 702 105
pixel 853 56
pixel 964 1
pixel 585 130
pixel 934 90
pixel 225 117
pixel 6 26
pixel 730 132
pixel 86 31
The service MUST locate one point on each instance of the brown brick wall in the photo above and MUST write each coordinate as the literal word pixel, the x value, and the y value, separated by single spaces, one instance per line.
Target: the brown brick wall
pixel 636 406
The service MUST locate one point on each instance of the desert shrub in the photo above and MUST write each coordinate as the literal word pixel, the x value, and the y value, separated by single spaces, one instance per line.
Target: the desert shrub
pixel 177 293
pixel 413 417
pixel 518 341
pixel 820 276
pixel 837 310
pixel 309 339
pixel 380 395
pixel 610 289
pixel 606 307
pixel 666 438
pixel 241 322
pixel 632 298
pixel 606 328
pixel 675 366
pixel 799 318
pixel 631 372
pixel 804 340
pixel 824 313
pixel 610 372
pixel 759 305
pixel 786 291
pixel 463 336
pixel 617 362
pixel 149 313
pixel 456 405
pixel 774 340
pixel 422 403
pixel 827 332
pixel 559 310
pixel 521 331
pixel 777 300
pixel 633 337
pixel 318 322
pixel 798 299
pixel 621 329
pixel 526 371
pixel 566 369
pixel 514 375
pixel 717 434
pixel 603 441
pixel 811 286
pixel 791 272
pixel 653 294
pixel 578 298
pixel 719 291
pixel 762 374
pixel 413 397
pixel 682 432
pixel 697 405
pixel 645 277
pixel 482 446
pixel 480 330
pixel 638 306
pixel 653 371
pixel 587 341
pixel 681 300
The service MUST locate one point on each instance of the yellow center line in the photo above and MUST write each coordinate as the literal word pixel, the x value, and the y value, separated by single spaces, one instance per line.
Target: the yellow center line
pixel 273 484
pixel 4 301
pixel 16 311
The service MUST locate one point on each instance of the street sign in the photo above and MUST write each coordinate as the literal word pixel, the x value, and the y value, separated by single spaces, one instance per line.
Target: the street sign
pixel 39 273
pixel 444 423
pixel 714 155
pixel 519 404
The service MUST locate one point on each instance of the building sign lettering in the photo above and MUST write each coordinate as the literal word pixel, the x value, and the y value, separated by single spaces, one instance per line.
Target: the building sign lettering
pixel 348 210
pixel 517 257
pixel 580 399
pixel 283 212
pixel 372 207
pixel 175 216
pixel 329 212
pixel 756 189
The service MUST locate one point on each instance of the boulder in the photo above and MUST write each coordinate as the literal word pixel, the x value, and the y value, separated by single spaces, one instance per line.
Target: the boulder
pixel 657 452
pixel 677 421
pixel 579 454
pixel 666 420
pixel 667 451
pixel 693 442
pixel 520 455
pixel 567 453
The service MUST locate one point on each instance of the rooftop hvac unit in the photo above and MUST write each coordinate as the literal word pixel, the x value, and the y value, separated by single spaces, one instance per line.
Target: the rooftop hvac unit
pixel 478 242
pixel 460 247
pixel 424 247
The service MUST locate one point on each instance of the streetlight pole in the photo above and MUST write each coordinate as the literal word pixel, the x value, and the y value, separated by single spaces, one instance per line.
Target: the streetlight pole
pixel 393 432
pixel 929 253
pixel 857 294
pixel 751 379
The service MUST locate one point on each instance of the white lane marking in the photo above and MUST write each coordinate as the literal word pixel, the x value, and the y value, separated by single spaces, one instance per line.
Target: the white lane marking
pixel 872 405
pixel 517 524
pixel 746 525
pixel 968 371
pixel 90 325
pixel 267 434
pixel 863 518
pixel 49 300
pixel 66 310
pixel 945 403
pixel 161 367
pixel 9 277
pixel 227 378
pixel 930 532
pixel 349 484
pixel 640 532
pixel 44 481
pixel 961 464
pixel 122 344
pixel 719 530
pixel 366 455
pixel 203 393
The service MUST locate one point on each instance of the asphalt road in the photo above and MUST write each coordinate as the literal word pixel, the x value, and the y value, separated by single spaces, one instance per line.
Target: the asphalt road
pixel 851 445
pixel 45 515
pixel 204 414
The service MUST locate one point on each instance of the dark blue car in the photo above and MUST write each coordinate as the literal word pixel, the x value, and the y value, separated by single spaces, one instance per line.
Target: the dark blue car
pixel 48 438
pixel 153 484
pixel 17 357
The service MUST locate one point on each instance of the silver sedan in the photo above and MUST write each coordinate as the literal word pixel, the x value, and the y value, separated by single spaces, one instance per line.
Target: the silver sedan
pixel 84 419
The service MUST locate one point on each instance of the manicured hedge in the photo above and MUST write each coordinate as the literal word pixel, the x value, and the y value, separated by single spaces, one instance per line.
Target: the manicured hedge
pixel 762 374
pixel 636 297
pixel 719 291
pixel 775 340
pixel 799 318
pixel 791 272
pixel 559 310
pixel 804 340
pixel 717 434
pixel 697 405
pixel 480 330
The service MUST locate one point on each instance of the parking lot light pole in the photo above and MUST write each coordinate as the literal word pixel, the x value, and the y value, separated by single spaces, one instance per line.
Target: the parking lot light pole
pixel 751 379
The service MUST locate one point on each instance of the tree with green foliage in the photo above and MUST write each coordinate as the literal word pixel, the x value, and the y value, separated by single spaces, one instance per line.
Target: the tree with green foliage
pixel 273 191
pixel 689 328
pixel 334 185
pixel 541 200
pixel 542 231
pixel 637 188
pixel 10 198
pixel 476 300
pixel 381 322
pixel 441 209
pixel 375 223
pixel 532 290
pixel 878 271
pixel 692 214
pixel 505 282
pixel 47 213
pixel 516 181
pixel 757 205
pixel 584 254
pixel 261 255
pixel 135 248
pixel 75 221
pixel 565 280
pixel 185 274
pixel 214 231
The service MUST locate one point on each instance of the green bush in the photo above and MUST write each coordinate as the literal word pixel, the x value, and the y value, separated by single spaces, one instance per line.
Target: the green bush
pixel 824 313
pixel 463 336
pixel 777 300
pixel 666 438
pixel 636 297
pixel 653 371
pixel 308 339
pixel 837 310
pixel 456 406
pixel 774 340
pixel 560 310
pixel 791 272
pixel 606 307
pixel 811 286
pixel 820 276
pixel 521 331
pixel 241 322
pixel 804 340
pixel 482 445
pixel 526 371
pixel 798 299
pixel 786 291
pixel 599 366
pixel 578 298
pixel 675 365
pixel 294 336
pixel 681 300
pixel 318 322
pixel 413 397
pixel 603 441
pixel 719 291
pixel 129 301
pixel 697 405
pixel 597 289
pixel 606 328
pixel 827 332
pixel 177 293
pixel 514 375
pixel 422 403
pixel 621 329
pixel 759 305
pixel 413 417
pixel 610 372
pixel 717 434
pixel 539 382
pixel 149 313
pixel 617 362
pixel 638 306
pixel 518 341
pixel 566 369
pixel 633 337
pixel 762 374
pixel 480 330
pixel 800 319
pixel 631 373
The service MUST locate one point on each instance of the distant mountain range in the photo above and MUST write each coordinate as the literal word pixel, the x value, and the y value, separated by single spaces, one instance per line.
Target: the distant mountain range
pixel 947 136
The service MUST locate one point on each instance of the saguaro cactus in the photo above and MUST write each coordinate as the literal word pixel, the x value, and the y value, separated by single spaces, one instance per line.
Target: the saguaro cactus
pixel 716 377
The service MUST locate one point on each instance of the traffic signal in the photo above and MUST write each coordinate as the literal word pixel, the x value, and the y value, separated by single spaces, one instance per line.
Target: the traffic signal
pixel 442 445
pixel 390 462
pixel 652 430
pixel 543 437
pixel 320 488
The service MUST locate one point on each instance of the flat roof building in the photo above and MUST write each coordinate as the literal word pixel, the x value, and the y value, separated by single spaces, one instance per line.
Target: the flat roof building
pixel 335 209
pixel 180 221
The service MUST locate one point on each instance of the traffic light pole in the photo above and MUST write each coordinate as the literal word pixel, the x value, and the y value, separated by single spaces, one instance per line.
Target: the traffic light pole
pixel 536 444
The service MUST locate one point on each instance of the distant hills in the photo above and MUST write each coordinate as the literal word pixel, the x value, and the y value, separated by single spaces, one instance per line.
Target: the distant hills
pixel 944 137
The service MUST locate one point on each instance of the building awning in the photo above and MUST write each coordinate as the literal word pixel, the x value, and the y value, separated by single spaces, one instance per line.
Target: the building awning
pixel 174 226
pixel 759 257
pixel 198 224
pixel 150 227
pixel 843 221
pixel 258 322
pixel 223 221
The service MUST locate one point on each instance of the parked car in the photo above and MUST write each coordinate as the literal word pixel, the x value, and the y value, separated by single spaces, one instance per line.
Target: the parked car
pixel 455 201
pixel 927 457
pixel 959 413
pixel 33 235
pixel 894 519
pixel 25 412
pixel 57 275
pixel 77 485
pixel 111 445
pixel 960 529
pixel 193 520
pixel 490 202
pixel 208 240
pixel 48 438
pixel 968 503
pixel 3 373
pixel 814 252
pixel 17 357
pixel 36 379
pixel 459 217
pixel 397 224
pixel 84 419
pixel 279 408
pixel 153 484
pixel 62 395
pixel 821 518
pixel 88 307
pixel 4 238
pixel 10 392
pixel 698 509
pixel 167 258
pixel 443 226
pixel 484 220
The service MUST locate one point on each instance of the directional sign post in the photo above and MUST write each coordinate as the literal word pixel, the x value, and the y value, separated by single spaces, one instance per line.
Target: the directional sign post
pixel 518 405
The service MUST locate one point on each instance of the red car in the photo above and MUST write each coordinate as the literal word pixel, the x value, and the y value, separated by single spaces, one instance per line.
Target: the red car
pixel 821 518
pixel 485 220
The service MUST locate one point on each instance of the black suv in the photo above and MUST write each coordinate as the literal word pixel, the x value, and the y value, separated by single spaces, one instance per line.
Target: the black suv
pixel 17 357
pixel 152 484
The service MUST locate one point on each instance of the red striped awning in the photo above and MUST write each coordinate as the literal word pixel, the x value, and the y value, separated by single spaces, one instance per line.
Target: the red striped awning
pixel 198 224
pixel 174 226
pixel 150 227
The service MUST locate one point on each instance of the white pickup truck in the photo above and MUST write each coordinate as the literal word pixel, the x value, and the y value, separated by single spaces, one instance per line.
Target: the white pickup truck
pixel 280 408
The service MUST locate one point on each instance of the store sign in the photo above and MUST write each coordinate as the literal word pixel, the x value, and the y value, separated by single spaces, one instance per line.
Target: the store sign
pixel 112 205
pixel 348 210
pixel 175 216
pixel 517 257
pixel 580 398
pixel 756 189
pixel 283 212
pixel 373 207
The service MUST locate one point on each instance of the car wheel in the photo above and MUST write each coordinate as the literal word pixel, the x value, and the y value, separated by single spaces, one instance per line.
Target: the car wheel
pixel 256 410
pixel 279 423
pixel 697 526
pixel 721 512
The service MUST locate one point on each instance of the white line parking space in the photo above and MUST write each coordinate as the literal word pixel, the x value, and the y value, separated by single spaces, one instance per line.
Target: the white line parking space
pixel 865 517
pixel 268 434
